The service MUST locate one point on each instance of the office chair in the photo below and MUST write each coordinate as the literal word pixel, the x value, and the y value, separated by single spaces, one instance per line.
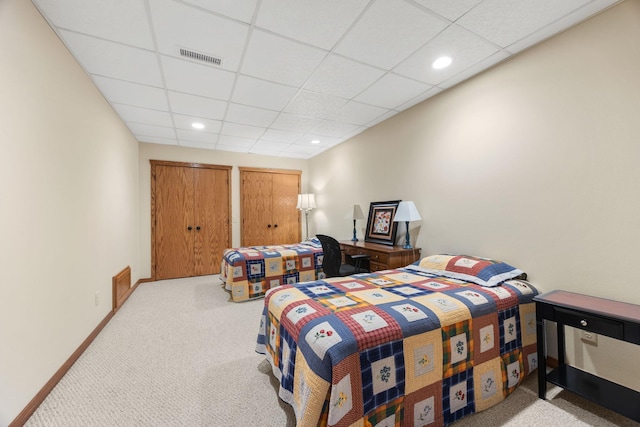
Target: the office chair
pixel 332 263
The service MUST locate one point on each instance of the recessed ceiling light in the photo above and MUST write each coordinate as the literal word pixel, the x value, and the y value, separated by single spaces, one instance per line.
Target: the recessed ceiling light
pixel 315 141
pixel 442 62
pixel 197 125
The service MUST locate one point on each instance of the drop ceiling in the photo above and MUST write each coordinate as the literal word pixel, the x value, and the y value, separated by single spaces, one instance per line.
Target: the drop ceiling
pixel 271 76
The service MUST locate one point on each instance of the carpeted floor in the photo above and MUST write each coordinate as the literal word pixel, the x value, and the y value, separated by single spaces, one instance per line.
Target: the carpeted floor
pixel 179 353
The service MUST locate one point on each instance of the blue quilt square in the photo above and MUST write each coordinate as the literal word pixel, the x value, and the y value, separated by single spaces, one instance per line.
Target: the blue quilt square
pixel 383 374
pixel 255 268
pixel 509 324
pixel 291 278
pixel 317 289
pixel 458 398
pixel 408 290
pixel 287 359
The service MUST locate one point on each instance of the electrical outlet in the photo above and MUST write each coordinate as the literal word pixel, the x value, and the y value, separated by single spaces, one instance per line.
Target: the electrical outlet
pixel 97 299
pixel 589 338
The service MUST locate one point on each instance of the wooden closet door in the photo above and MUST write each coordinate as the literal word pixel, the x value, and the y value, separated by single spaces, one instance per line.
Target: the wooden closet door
pixel 211 237
pixel 174 207
pixel 257 225
pixel 190 218
pixel 268 206
pixel 285 196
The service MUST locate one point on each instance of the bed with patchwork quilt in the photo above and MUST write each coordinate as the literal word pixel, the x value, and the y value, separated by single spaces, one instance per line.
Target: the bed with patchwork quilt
pixel 423 345
pixel 248 272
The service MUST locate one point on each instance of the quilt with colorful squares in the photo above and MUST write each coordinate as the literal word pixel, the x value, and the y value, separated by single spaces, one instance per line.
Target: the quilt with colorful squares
pixel 398 347
pixel 249 272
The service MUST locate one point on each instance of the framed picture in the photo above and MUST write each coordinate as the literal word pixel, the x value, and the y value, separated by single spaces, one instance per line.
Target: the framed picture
pixel 380 225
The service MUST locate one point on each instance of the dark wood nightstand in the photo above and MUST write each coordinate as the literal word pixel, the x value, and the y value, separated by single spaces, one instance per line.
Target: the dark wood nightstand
pixel 614 319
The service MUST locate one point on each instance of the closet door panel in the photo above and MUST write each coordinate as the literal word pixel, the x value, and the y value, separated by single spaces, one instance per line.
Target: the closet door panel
pixel 285 196
pixel 174 206
pixel 257 225
pixel 211 235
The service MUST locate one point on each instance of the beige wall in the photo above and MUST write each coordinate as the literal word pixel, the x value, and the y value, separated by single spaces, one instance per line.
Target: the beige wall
pixel 534 162
pixel 227 158
pixel 69 205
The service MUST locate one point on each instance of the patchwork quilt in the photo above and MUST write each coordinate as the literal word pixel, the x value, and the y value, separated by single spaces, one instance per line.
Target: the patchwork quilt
pixel 400 347
pixel 250 271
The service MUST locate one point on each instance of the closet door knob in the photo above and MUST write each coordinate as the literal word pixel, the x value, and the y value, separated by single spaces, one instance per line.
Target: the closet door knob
pixel 189 228
pixel 269 226
pixel 276 226
pixel 198 228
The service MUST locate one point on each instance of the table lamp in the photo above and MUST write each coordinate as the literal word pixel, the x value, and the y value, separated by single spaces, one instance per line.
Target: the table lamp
pixel 407 212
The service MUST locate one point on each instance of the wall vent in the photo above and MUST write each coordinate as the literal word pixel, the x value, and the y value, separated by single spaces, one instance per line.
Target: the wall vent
pixel 198 56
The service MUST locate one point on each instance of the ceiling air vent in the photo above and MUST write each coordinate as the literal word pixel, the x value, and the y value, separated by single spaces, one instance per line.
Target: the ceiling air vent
pixel 197 56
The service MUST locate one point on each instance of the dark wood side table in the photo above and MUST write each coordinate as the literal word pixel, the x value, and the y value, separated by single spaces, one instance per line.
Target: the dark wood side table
pixel 383 257
pixel 614 319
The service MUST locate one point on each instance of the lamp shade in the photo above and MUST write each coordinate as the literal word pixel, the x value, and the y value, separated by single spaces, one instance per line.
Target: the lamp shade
pixel 357 212
pixel 406 212
pixel 306 202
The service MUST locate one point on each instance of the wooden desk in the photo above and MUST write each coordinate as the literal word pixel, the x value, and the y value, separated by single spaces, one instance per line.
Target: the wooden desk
pixel 614 319
pixel 383 257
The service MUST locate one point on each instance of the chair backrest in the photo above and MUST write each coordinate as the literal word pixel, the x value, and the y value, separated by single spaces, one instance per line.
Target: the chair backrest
pixel 332 255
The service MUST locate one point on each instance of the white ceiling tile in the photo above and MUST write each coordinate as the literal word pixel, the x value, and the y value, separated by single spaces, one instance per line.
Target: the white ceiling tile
pixel 325 141
pixel 115 60
pixel 234 148
pixel 185 122
pixel 197 144
pixel 122 92
pixel 335 129
pixel 240 10
pixel 156 140
pixel 244 114
pixel 203 80
pixel 280 135
pixel 388 32
pixel 314 104
pixel 178 26
pixel 474 69
pixel 305 149
pixel 198 106
pixel 418 99
pixel 463 47
pixel 245 131
pixel 152 131
pixel 342 77
pixel 451 10
pixel 382 118
pixel 147 116
pixel 391 91
pixel 197 136
pixel 261 93
pixel 294 123
pixel 265 147
pixel 504 22
pixel 320 23
pixel 236 141
pixel 559 25
pixel 280 60
pixel 124 21
pixel 358 113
